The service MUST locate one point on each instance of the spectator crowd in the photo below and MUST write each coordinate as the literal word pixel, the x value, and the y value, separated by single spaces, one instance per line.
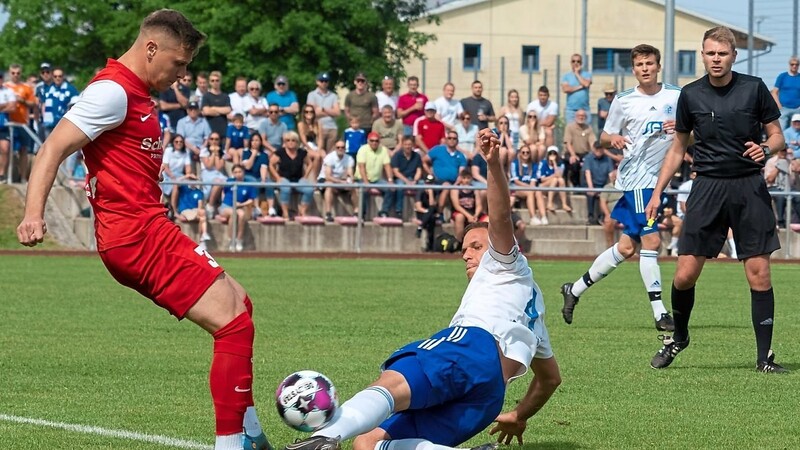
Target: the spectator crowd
pixel 266 134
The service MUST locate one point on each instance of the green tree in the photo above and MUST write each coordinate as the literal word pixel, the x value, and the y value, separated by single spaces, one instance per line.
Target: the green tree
pixel 254 38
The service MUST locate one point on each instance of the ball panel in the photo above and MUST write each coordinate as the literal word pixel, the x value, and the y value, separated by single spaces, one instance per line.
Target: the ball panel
pixel 306 400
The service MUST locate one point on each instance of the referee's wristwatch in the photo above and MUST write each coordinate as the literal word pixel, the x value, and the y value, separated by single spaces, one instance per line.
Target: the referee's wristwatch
pixel 765 148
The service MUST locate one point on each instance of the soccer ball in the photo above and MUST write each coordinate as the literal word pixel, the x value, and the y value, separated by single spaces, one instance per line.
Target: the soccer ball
pixel 306 400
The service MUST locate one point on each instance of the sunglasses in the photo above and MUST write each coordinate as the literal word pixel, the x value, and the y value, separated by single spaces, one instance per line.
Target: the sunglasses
pixel 374 140
pixel 272 111
pixel 281 84
pixel 177 141
pixel 465 118
pixel 290 140
pixel 45 71
pixel 450 138
pixel 214 80
pixel 255 89
pixel 339 147
pixel 308 111
pixel 576 60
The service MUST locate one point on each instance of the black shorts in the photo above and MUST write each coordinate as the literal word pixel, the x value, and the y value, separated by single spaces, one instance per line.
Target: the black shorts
pixel 716 204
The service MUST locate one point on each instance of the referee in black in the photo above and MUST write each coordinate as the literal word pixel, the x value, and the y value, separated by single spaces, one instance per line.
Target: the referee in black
pixel 728 113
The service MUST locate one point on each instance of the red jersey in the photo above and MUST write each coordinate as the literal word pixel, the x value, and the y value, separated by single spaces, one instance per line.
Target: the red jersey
pixel 432 131
pixel 124 155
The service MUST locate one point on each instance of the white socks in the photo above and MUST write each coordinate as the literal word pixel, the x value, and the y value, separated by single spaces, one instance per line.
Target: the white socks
pixel 732 246
pixel 604 264
pixel 229 442
pixel 410 444
pixel 651 276
pixel 251 425
pixel 365 411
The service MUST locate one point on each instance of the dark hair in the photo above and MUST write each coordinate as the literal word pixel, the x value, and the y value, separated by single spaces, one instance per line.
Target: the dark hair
pixel 413 78
pixel 238 166
pixel 645 50
pixel 465 173
pixel 476 82
pixel 544 89
pixel 238 116
pixel 475 225
pixel 175 25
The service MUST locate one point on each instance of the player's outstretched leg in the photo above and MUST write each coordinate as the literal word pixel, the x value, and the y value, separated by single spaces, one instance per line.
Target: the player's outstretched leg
pixel 604 264
pixel 651 277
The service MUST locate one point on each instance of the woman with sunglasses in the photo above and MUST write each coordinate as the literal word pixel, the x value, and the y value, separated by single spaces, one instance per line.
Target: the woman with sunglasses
pixel 523 174
pixel 550 173
pixel 255 160
pixel 175 163
pixel 529 134
pixel 503 131
pixel 514 114
pixel 212 169
pixel 256 105
pixel 467 133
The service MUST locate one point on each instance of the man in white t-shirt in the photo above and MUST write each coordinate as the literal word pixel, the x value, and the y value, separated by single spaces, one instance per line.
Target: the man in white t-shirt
pixel 387 96
pixel 546 112
pixel 448 109
pixel 337 167
pixel 439 392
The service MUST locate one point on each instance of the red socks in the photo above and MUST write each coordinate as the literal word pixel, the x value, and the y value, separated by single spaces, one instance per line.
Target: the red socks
pixel 231 375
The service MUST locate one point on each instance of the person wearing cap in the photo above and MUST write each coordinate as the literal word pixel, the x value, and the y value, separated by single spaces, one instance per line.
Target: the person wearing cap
pixel 326 105
pixel 195 130
pixel 411 105
pixel 792 136
pixel 550 173
pixel 428 131
pixel 604 104
pixel 46 93
pixel 361 104
pixel 286 100
pixel 787 91
pixel 373 165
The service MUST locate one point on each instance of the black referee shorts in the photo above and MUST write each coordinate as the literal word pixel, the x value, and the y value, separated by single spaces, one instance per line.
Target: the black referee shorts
pixel 716 204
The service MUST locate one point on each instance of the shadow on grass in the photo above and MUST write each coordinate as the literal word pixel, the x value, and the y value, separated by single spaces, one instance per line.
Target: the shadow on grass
pixel 556 445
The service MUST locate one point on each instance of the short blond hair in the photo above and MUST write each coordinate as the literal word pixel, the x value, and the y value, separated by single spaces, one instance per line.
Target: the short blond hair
pixel 721 34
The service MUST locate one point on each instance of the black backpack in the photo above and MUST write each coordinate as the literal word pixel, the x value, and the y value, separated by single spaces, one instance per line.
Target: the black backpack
pixel 446 243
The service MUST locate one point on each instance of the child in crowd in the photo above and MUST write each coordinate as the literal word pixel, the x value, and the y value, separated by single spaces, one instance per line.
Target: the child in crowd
pixel 238 137
pixel 354 138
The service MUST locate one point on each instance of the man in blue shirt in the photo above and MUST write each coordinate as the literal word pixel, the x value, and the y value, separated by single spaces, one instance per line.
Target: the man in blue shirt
pixel 792 136
pixel 597 168
pixel 445 163
pixel 286 101
pixel 787 92
pixel 576 85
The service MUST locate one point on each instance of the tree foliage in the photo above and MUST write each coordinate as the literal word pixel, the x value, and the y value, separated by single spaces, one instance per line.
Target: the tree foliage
pixel 254 38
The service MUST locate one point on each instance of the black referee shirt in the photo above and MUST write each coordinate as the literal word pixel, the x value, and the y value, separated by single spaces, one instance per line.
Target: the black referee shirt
pixel 722 120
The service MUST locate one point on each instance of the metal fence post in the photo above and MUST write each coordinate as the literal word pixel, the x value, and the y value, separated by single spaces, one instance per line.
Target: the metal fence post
pixel 530 78
pixel 10 173
pixel 449 69
pixel 502 80
pixel 558 80
pixel 234 217
pixel 362 215
pixel 424 77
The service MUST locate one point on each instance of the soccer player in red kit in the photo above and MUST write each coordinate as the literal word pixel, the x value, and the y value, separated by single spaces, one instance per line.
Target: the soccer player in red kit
pixel 116 124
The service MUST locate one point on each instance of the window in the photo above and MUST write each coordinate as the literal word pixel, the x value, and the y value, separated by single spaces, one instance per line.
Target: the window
pixel 472 56
pixel 603 59
pixel 686 62
pixel 530 58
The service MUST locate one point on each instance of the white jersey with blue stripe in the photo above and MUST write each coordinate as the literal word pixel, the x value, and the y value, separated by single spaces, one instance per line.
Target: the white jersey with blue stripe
pixel 640 118
pixel 503 299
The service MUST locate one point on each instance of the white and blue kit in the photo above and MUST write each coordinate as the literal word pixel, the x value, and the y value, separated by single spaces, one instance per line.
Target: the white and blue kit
pixel 456 380
pixel 640 118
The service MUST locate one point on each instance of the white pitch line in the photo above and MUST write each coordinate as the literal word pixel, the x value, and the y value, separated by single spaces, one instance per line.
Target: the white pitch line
pixel 119 434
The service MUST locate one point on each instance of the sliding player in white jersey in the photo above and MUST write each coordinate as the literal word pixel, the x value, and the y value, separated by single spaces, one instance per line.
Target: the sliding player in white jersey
pixel 436 393
pixel 641 122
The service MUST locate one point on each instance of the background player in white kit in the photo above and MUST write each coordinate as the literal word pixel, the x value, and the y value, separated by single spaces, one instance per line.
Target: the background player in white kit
pixel 436 393
pixel 641 122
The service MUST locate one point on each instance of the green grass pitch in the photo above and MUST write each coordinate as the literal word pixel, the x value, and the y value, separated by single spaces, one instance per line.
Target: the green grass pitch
pixel 75 347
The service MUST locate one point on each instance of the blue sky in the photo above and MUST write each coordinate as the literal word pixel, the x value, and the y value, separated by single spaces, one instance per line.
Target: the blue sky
pixel 776 24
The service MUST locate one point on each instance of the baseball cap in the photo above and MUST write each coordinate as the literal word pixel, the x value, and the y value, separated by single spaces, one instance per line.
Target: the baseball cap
pixel 552 149
pixel 281 79
pixel 361 76
pixel 373 135
pixel 193 105
pixel 795 117
pixel 44 65
pixel 323 76
pixel 430 105
pixel 609 87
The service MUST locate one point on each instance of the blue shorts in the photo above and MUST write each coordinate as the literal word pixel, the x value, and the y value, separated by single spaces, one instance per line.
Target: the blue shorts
pixel 457 386
pixel 629 211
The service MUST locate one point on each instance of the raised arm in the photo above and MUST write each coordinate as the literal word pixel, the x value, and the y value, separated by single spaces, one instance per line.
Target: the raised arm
pixel 501 230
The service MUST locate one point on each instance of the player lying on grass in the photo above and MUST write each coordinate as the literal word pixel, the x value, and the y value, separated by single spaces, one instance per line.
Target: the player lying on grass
pixel 437 393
